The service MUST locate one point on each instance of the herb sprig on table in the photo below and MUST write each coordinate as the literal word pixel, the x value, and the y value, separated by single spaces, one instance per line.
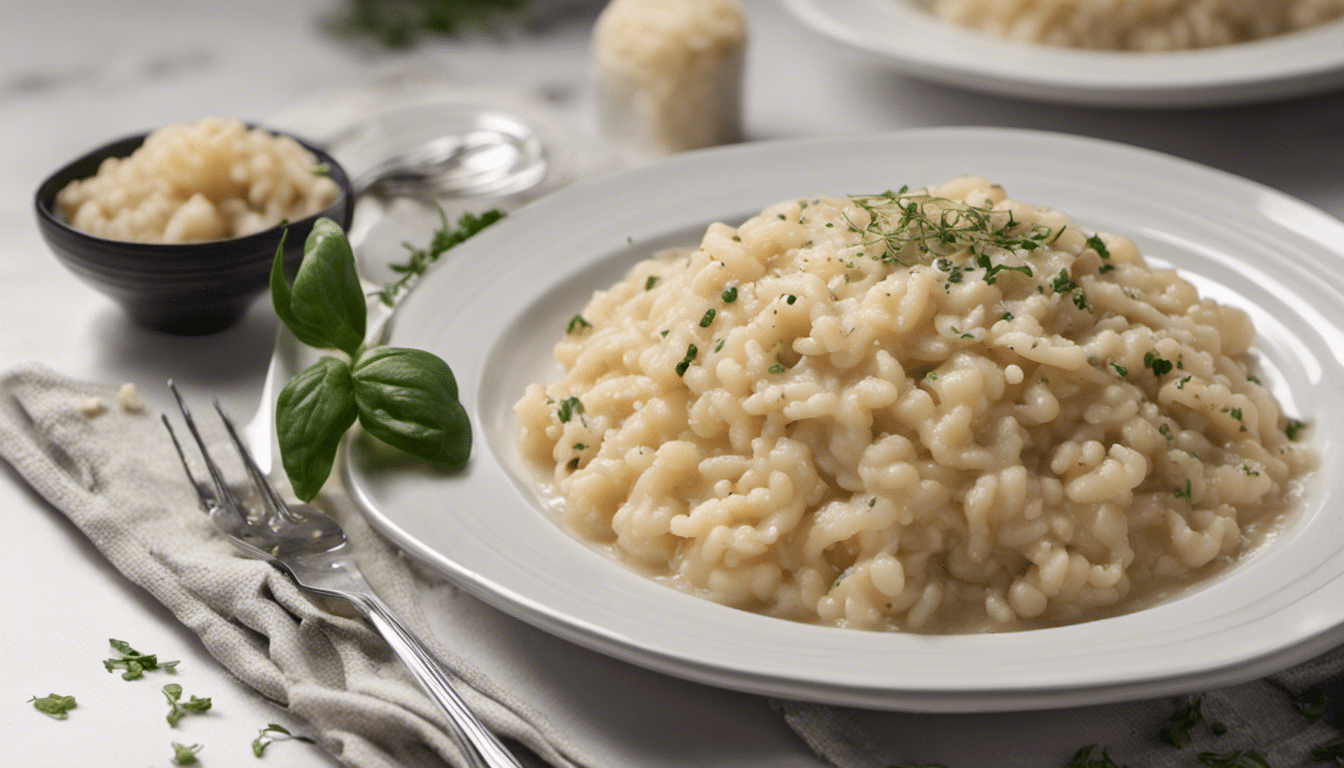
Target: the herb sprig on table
pixel 399 23
pixel 406 398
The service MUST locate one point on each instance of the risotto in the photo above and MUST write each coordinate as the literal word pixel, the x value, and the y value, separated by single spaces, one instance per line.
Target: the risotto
pixel 211 179
pixel 940 411
pixel 1138 25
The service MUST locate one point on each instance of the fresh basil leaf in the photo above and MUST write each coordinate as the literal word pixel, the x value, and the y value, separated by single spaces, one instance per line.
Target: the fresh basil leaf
pixel 325 308
pixel 408 399
pixel 312 413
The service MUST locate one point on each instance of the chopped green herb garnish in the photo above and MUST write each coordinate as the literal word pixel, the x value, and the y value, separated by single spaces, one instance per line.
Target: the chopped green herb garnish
pixel 1241 758
pixel 776 368
pixel 1062 283
pixel 1331 751
pixel 54 704
pixel 1176 733
pixel 264 739
pixel 1094 242
pixel 184 755
pixel 650 282
pixel 1246 469
pixel 176 707
pixel 707 319
pixel 1310 703
pixel 790 299
pixel 1104 268
pixel 1181 384
pixel 1160 366
pixel 730 295
pixel 685 363
pixel 577 323
pixel 569 408
pixel 1236 413
pixel 1164 429
pixel 322 169
pixel 1083 759
pixel 573 464
pixel 1184 493
pixel 719 346
pixel 1119 369
pixel 1293 428
pixel 1007 316
pixel 134 662
pixel 579 446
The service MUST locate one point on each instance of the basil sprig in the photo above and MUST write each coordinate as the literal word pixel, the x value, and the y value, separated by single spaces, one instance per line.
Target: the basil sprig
pixel 405 397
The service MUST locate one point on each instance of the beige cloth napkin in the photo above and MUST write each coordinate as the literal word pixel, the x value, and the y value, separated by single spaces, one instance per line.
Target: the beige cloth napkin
pixel 116 476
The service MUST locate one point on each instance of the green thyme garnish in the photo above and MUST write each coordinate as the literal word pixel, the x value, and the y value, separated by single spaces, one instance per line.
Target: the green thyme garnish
pixel 730 295
pixel 650 282
pixel 920 228
pixel 54 705
pixel 322 169
pixel 1176 733
pixel 446 237
pixel 1164 429
pixel 577 323
pixel 790 299
pixel 708 318
pixel 1119 369
pixel 776 368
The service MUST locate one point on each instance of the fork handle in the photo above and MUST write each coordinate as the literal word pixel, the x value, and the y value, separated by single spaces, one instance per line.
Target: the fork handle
pixel 481 747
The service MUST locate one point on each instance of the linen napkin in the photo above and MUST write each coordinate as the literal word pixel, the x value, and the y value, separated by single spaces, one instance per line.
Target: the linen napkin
pixel 115 474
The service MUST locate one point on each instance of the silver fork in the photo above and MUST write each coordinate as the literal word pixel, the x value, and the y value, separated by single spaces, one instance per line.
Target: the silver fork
pixel 312 548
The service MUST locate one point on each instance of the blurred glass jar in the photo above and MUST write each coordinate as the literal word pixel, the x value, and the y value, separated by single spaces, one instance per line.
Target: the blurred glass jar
pixel 668 74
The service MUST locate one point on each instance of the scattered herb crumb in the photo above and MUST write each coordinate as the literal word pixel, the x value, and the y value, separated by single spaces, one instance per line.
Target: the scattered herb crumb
pixel 54 705
pixel 272 733
pixel 134 662
pixel 569 408
pixel 1293 429
pixel 577 323
pixel 776 368
pixel 708 318
pixel 1184 493
pixel 1119 369
pixel 177 707
pixel 686 361
pixel 730 295
pixel 185 755
pixel 650 282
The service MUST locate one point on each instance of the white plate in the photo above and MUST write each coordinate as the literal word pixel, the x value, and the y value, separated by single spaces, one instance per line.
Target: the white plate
pixel 496 307
pixel 915 42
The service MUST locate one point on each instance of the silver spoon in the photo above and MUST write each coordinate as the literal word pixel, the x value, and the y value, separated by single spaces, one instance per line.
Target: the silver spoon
pixel 499 156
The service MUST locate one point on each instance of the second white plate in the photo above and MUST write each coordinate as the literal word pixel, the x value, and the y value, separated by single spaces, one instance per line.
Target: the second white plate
pixel 918 44
pixel 495 308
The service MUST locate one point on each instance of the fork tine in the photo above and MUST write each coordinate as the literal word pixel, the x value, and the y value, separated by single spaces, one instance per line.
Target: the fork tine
pixel 222 494
pixel 205 501
pixel 275 505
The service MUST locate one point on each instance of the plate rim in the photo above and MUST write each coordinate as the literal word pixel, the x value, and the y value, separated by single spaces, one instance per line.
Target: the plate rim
pixel 924 699
pixel 960 57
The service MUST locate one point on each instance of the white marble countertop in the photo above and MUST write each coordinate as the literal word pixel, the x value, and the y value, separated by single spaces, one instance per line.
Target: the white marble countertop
pixel 75 74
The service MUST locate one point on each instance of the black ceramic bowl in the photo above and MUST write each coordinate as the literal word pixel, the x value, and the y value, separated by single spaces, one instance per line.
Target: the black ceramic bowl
pixel 187 288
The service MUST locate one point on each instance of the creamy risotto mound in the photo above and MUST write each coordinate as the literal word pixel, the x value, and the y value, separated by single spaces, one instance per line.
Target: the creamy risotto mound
pixel 940 410
pixel 1140 25
pixel 211 179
